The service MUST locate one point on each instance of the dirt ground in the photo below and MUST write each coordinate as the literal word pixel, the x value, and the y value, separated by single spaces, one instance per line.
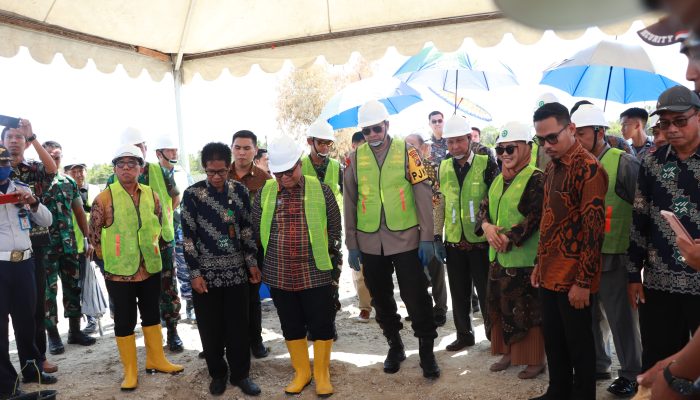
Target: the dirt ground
pixel 356 368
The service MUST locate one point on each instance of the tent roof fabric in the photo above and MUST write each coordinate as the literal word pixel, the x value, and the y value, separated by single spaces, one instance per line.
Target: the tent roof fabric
pixel 213 35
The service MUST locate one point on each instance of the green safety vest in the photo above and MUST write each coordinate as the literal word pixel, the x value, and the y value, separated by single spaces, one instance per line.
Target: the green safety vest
pixel 533 155
pixel 461 206
pixel 79 238
pixel 314 211
pixel 157 183
pixel 618 212
pixel 385 190
pixel 503 212
pixel 331 179
pixel 134 233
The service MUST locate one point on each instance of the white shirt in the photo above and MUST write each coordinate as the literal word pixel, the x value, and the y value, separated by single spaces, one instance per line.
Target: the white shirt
pixel 12 237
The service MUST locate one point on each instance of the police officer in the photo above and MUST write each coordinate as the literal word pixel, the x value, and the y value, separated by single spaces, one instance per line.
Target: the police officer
pixel 390 231
pixel 17 283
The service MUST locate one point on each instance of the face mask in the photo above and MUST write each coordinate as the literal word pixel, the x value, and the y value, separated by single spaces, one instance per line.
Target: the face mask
pixel 5 172
pixel 322 155
pixel 376 143
pixel 456 157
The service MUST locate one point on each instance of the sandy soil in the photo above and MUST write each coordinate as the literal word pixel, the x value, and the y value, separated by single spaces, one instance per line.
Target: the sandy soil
pixel 356 368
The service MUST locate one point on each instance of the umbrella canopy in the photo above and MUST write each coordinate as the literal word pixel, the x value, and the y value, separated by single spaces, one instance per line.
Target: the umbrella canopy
pixel 455 71
pixel 609 70
pixel 341 109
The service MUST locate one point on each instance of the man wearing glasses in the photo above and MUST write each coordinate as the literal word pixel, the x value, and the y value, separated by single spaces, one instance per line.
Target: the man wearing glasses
pixel 318 163
pixel 438 149
pixel 569 253
pixel 389 224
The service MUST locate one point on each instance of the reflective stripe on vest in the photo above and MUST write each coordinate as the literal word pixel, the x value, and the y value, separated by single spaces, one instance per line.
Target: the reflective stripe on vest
pixel 387 190
pixel 618 212
pixel 157 183
pixel 503 212
pixel 330 179
pixel 462 202
pixel 134 233
pixel 314 213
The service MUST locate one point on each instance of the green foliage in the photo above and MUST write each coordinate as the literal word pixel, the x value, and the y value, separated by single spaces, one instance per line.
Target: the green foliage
pixel 98 174
pixel 489 134
pixel 195 163
pixel 615 129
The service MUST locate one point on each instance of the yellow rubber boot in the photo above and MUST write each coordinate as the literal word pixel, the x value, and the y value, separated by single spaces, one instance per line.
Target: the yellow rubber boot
pixel 127 352
pixel 299 354
pixel 322 371
pixel 155 358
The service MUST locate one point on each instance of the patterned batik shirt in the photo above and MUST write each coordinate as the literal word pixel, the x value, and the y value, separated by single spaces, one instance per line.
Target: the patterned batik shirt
pixel 665 182
pixel 34 174
pixel 218 243
pixel 59 199
pixel 438 149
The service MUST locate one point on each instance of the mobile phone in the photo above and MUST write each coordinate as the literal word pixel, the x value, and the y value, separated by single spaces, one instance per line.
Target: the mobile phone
pixel 676 225
pixel 9 122
pixel 10 198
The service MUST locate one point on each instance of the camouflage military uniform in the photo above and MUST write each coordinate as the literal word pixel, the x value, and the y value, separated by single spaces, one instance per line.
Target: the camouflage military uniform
pixel 62 254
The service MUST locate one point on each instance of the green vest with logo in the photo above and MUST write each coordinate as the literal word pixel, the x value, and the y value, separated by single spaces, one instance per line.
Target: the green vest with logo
pixel 386 189
pixel 157 183
pixel 503 212
pixel 618 212
pixel 462 201
pixel 134 233
pixel 79 238
pixel 314 212
pixel 331 179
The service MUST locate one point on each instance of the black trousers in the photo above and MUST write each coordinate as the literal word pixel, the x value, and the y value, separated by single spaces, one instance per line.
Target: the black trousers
pixel 467 269
pixel 40 266
pixel 666 321
pixel 127 296
pixel 17 299
pixel 413 288
pixel 222 319
pixel 254 314
pixel 568 343
pixel 309 310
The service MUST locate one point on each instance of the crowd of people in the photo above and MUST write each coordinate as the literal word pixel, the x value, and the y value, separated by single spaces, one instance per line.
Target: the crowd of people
pixel 557 238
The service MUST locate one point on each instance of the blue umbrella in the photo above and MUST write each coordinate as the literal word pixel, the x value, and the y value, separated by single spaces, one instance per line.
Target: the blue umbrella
pixel 609 71
pixel 341 109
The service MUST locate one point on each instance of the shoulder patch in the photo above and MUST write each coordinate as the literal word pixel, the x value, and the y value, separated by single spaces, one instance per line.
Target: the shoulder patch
pixel 416 169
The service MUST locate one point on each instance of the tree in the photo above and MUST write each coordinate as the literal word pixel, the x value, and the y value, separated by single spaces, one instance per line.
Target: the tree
pixel 99 173
pixel 489 134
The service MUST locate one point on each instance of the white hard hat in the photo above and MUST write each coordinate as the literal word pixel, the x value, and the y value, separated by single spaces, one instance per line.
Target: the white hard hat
pixel 371 113
pixel 514 131
pixel 545 98
pixel 589 115
pixel 132 136
pixel 283 153
pixel 456 126
pixel 321 130
pixel 127 150
pixel 166 142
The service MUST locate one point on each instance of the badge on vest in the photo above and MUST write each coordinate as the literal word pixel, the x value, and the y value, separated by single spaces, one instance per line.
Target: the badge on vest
pixel 24 223
pixel 416 170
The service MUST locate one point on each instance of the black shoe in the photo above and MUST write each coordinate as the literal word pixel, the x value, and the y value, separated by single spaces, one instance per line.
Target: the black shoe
pixel 427 358
pixel 247 386
pixel 259 350
pixel 543 397
pixel 603 376
pixel 76 336
pixel 217 386
pixel 6 396
pixel 396 354
pixel 623 387
pixel 460 343
pixel 174 341
pixel 55 343
pixel 440 320
pixel 46 379
pixel 91 326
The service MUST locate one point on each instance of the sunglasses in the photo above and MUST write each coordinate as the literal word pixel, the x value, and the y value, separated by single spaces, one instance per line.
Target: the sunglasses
pixel 376 129
pixel 677 122
pixel 552 138
pixel 505 149
pixel 288 172
pixel 436 121
pixel 123 164
pixel 322 142
pixel 221 172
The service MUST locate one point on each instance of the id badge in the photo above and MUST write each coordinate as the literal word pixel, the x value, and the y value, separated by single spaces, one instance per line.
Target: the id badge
pixel 24 223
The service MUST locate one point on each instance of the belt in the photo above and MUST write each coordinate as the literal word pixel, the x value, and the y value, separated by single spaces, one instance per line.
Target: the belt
pixel 15 255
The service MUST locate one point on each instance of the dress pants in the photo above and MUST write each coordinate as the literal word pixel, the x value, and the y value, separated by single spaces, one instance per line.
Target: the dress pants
pixel 40 266
pixel 127 296
pixel 255 312
pixel 308 310
pixel 439 290
pixel 465 268
pixel 18 300
pixel 413 288
pixel 222 319
pixel 568 343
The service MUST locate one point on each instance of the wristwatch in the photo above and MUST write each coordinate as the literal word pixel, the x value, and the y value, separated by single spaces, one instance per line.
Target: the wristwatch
pixel 681 386
pixel 31 138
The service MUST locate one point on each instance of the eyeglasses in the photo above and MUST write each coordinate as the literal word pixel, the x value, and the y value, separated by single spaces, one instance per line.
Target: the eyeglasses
pixel 436 121
pixel 552 138
pixel 288 172
pixel 677 122
pixel 322 142
pixel 221 172
pixel 505 149
pixel 122 164
pixel 376 129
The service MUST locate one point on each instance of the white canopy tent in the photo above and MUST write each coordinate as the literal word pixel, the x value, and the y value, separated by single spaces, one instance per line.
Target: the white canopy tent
pixel 188 37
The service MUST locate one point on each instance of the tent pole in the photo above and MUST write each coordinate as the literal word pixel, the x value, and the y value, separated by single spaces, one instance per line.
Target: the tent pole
pixel 183 154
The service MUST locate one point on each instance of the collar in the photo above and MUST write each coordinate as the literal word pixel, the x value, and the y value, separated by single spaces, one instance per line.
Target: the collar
pixel 670 150
pixel 470 159
pixel 300 185
pixel 436 140
pixel 212 190
pixel 250 172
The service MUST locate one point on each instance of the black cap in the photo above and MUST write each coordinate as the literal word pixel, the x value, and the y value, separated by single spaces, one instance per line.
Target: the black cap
pixel 4 154
pixel 677 99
